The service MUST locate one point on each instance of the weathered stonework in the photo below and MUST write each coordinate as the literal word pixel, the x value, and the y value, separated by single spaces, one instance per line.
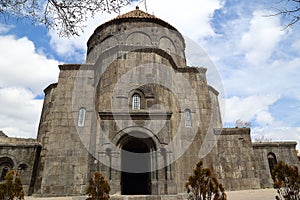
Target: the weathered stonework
pixel 89 119
pixel 284 151
pixel 20 154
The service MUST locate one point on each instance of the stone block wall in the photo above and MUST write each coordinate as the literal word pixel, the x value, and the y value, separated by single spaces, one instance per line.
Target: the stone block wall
pixel 63 166
pixel 283 151
pixel 233 160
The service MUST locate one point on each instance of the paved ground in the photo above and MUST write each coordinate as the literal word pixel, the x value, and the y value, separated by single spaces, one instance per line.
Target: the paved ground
pixel 265 194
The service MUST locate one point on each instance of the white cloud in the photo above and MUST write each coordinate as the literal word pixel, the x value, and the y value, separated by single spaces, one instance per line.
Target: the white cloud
pixel 278 133
pixel 277 77
pixel 249 108
pixel 192 18
pixel 21 66
pixel 24 74
pixel 296 45
pixel 263 35
pixel 256 110
pixel 4 28
pixel 259 66
pixel 20 112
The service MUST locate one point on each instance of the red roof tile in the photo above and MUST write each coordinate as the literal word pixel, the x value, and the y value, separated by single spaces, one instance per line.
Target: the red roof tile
pixel 137 13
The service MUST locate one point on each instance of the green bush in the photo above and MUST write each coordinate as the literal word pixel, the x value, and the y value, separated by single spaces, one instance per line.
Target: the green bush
pixel 12 188
pixel 286 181
pixel 98 188
pixel 202 185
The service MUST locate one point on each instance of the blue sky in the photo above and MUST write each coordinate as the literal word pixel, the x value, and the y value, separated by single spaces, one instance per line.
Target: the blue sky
pixel 258 62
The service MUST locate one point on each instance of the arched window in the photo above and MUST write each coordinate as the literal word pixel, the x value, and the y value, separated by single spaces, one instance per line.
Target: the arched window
pixel 22 167
pixel 6 164
pixel 272 161
pixel 136 101
pixel 188 118
pixel 81 117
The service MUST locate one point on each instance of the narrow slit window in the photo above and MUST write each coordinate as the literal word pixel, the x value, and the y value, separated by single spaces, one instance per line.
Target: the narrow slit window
pixel 136 102
pixel 81 117
pixel 109 154
pixel 188 118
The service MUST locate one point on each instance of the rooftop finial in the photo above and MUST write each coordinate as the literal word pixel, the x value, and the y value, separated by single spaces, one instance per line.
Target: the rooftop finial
pixel 137 7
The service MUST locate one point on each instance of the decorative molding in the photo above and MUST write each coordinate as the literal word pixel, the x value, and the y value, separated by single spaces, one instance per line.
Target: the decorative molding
pixel 136 115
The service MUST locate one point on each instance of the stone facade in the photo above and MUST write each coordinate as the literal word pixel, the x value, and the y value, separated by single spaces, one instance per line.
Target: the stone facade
pixel 266 153
pixel 20 154
pixel 233 159
pixel 135 106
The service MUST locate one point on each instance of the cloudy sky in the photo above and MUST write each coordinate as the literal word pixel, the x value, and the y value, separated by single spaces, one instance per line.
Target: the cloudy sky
pixel 258 62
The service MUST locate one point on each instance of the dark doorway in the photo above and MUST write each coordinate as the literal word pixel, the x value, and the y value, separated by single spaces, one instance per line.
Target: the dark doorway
pixel 272 162
pixel 135 177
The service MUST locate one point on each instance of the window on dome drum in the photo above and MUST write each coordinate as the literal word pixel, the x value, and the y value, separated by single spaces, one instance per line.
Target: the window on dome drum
pixel 136 101
pixel 81 117
pixel 272 161
pixel 188 118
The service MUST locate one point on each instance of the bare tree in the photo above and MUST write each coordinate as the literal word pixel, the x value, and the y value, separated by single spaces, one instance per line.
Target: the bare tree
pixel 68 17
pixel 290 10
pixel 242 124
pixel 262 138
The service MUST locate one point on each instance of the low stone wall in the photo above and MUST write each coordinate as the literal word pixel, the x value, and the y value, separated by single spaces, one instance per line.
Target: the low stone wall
pixel 22 154
pixel 283 151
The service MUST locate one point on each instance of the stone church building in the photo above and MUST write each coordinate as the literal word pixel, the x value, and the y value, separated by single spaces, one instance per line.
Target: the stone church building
pixel 138 114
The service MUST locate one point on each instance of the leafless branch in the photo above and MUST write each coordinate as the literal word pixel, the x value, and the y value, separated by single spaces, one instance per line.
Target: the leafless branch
pixel 68 17
pixel 290 10
pixel 262 138
pixel 242 124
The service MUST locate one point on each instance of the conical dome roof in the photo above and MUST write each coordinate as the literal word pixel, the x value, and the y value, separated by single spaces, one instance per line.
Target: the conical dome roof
pixel 139 15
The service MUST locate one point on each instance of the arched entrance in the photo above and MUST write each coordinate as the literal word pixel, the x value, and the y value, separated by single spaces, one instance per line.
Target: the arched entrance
pixel 136 167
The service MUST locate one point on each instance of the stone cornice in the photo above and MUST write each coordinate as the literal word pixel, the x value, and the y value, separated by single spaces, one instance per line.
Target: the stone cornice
pixel 20 145
pixel 232 131
pixel 274 144
pixel 135 115
pixel 50 87
pixel 213 90
pixel 75 66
